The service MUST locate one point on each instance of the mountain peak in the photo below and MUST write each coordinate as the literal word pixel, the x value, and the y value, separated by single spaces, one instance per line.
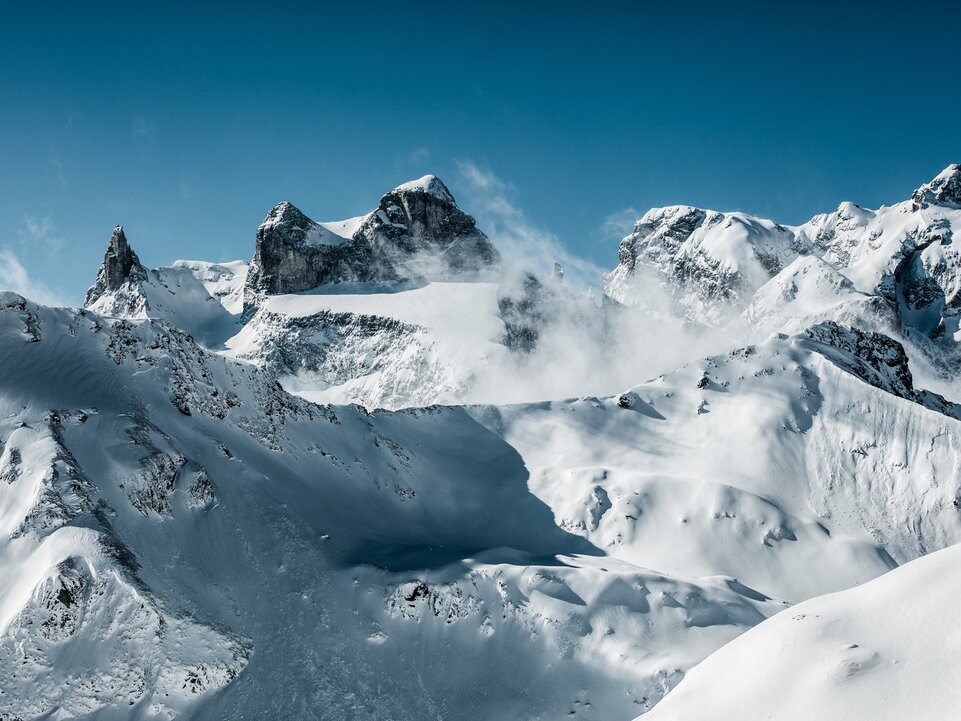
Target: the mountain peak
pixel 120 263
pixel 284 212
pixel 944 189
pixel 429 184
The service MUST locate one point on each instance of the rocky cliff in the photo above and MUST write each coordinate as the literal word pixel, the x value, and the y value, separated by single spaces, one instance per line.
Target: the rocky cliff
pixel 417 231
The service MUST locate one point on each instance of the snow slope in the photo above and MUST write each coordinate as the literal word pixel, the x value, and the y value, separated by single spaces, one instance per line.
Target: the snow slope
pixel 382 345
pixel 303 549
pixel 886 651
pixel 187 531
pixel 205 299
pixel 775 464
pixel 470 543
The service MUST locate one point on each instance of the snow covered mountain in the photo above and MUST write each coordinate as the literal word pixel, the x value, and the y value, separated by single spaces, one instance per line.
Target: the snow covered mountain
pixel 896 265
pixel 710 261
pixel 607 498
pixel 416 232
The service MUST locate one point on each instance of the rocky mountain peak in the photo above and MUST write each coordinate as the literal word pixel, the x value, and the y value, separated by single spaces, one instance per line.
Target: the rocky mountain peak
pixel 120 264
pixel 945 189
pixel 430 185
pixel 417 230
pixel 421 216
pixel 284 224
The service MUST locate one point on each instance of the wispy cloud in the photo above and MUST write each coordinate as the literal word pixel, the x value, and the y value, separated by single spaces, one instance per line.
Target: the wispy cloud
pixel 13 276
pixel 54 166
pixel 419 155
pixel 521 241
pixel 39 232
pixel 143 128
pixel 619 223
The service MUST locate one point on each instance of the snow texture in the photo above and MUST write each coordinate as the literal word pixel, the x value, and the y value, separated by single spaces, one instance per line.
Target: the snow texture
pixel 378 473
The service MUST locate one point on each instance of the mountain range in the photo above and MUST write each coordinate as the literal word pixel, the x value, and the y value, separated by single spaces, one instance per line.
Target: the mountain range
pixel 381 472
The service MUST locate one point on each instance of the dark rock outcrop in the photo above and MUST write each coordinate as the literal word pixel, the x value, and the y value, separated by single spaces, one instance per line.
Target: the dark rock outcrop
pixel 120 265
pixel 873 357
pixel 523 304
pixel 877 360
pixel 417 231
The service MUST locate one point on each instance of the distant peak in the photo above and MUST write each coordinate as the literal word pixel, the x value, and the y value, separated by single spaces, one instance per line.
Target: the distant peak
pixel 119 264
pixel 284 210
pixel 429 184
pixel 944 189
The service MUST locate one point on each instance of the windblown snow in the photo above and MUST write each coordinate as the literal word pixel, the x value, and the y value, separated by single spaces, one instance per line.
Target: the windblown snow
pixel 437 486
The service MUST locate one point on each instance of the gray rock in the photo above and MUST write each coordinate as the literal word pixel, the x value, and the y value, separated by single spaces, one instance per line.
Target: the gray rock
pixel 681 250
pixel 120 265
pixel 417 231
pixel 944 190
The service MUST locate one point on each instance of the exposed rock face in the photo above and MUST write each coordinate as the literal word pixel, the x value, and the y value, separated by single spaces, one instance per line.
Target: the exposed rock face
pixel 294 253
pixel 943 190
pixel 702 257
pixel 421 217
pixel 877 360
pixel 872 357
pixel 417 231
pixel 120 264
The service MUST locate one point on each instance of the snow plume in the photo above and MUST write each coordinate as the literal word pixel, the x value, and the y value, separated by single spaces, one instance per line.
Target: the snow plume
pixel 586 345
pixel 583 341
pixel 13 276
pixel 522 242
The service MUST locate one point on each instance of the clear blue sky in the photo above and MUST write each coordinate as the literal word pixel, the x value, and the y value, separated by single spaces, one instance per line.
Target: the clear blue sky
pixel 187 124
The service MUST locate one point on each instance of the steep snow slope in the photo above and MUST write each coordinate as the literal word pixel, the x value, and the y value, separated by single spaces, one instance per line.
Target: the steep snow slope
pixel 383 345
pixel 328 562
pixel 885 651
pixel 775 464
pixel 249 538
pixel 810 290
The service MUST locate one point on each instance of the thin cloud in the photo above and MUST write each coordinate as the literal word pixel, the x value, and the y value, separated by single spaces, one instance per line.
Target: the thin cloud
pixel 521 241
pixel 54 166
pixel 13 276
pixel 143 128
pixel 39 232
pixel 419 155
pixel 619 223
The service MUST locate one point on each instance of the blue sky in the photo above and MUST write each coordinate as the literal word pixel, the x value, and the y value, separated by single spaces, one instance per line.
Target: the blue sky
pixel 552 123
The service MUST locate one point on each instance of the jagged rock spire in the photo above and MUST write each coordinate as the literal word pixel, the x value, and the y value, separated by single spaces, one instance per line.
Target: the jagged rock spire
pixel 120 264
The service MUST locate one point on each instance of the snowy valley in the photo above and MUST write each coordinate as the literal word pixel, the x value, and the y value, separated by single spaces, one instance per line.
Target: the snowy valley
pixel 382 472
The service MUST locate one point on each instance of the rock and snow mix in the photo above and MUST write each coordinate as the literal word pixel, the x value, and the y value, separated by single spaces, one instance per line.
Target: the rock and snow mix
pixel 612 493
